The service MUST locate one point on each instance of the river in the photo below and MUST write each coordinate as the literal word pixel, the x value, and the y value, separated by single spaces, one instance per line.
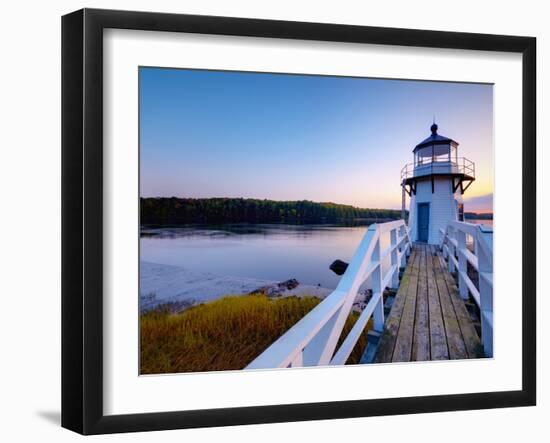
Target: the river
pixel 261 251
pixel 275 252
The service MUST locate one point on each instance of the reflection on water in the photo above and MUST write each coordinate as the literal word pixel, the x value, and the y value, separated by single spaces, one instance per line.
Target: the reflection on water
pixel 263 251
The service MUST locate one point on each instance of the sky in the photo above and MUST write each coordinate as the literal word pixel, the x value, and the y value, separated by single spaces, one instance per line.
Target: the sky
pixel 297 137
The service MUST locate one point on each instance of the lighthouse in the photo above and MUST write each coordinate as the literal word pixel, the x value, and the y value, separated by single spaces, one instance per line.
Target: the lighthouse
pixel 435 182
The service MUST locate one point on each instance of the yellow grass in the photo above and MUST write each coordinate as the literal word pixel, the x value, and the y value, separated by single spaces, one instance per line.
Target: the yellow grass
pixel 222 335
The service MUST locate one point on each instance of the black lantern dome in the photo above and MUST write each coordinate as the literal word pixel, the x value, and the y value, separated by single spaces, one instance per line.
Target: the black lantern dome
pixel 435 139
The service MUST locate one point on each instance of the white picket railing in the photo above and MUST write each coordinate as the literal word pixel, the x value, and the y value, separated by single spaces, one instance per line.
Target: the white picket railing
pixel 454 243
pixel 313 340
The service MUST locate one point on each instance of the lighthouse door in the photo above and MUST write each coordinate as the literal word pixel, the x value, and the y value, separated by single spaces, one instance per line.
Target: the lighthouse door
pixel 423 221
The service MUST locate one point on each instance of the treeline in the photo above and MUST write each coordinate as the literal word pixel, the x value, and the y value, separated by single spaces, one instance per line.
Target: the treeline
pixel 240 210
pixel 476 216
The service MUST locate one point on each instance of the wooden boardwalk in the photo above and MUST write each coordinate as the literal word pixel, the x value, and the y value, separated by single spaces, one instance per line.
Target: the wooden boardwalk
pixel 428 319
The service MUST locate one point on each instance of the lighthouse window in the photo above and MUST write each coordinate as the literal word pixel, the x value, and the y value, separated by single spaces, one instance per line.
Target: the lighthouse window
pixel 434 153
pixel 424 155
pixel 441 153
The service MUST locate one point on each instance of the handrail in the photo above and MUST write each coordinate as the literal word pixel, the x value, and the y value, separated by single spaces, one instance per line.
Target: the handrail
pixel 313 340
pixel 453 243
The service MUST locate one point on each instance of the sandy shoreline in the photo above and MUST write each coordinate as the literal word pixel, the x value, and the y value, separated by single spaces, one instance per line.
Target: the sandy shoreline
pixel 161 284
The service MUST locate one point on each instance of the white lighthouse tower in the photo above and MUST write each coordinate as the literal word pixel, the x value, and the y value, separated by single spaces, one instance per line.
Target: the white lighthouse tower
pixel 435 183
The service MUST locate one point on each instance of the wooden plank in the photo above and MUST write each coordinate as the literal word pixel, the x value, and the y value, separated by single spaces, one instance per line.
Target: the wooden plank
pixel 384 353
pixel 421 333
pixel 438 339
pixel 428 320
pixel 403 343
pixel 455 342
pixel 469 334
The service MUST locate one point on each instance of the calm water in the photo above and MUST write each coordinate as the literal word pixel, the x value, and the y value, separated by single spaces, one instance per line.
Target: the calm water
pixel 480 222
pixel 268 251
pixel 271 252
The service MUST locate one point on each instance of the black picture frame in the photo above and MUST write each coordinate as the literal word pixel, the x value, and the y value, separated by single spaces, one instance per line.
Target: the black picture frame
pixel 82 218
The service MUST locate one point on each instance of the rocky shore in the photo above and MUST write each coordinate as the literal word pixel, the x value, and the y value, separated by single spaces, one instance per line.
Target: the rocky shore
pixel 178 288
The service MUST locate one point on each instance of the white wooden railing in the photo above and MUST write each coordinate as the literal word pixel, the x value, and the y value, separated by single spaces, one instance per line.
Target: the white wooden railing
pixel 313 340
pixel 454 242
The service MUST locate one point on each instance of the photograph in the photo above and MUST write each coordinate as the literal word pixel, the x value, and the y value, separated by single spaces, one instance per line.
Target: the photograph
pixel 293 220
pixel 266 222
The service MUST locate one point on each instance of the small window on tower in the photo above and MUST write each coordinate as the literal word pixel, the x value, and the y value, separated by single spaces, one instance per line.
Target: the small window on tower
pixel 460 211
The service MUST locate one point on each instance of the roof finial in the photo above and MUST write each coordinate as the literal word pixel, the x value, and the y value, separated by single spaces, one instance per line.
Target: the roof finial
pixel 433 128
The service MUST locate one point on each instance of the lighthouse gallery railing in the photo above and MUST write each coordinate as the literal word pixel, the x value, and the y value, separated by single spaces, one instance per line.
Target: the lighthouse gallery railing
pixel 454 243
pixel 313 340
pixel 460 165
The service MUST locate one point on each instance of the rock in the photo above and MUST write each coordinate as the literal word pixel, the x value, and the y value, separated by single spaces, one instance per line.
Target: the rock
pixel 277 289
pixel 338 267
pixel 263 290
pixel 289 284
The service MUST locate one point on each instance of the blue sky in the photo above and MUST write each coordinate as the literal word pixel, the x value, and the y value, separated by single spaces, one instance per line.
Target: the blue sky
pixel 294 137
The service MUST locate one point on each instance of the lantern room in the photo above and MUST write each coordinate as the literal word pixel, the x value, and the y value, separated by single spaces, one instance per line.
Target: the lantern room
pixel 435 148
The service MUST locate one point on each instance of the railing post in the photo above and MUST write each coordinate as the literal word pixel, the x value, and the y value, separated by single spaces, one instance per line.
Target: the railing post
pixel 313 352
pixel 452 236
pixel 409 244
pixel 404 247
pixel 298 361
pixel 462 264
pixel 442 240
pixel 395 275
pixel 484 240
pixel 377 290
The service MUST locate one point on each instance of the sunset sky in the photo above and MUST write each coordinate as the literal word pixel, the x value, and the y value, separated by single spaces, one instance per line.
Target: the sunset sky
pixel 296 137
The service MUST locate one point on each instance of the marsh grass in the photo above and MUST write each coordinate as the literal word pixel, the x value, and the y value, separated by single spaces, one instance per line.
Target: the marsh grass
pixel 224 334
